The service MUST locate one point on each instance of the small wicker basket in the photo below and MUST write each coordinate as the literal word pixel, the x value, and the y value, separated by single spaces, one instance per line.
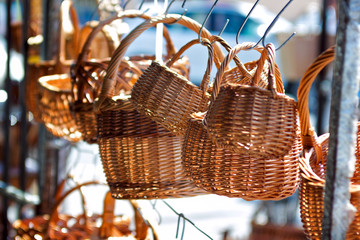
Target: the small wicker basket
pixel 225 172
pixel 141 159
pixel 313 161
pixel 252 120
pixel 87 76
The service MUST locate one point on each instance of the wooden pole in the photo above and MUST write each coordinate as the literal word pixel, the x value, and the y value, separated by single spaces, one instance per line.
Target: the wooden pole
pixel 338 212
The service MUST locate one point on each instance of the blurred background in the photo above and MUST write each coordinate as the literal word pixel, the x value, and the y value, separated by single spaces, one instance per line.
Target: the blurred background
pixel 33 161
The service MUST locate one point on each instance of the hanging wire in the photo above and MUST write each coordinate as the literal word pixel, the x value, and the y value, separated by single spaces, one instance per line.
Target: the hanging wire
pixel 243 24
pixel 181 215
pixel 178 225
pixel 141 4
pixel 262 39
pixel 223 29
pixel 183 14
pixel 168 7
pixel 206 19
pixel 156 210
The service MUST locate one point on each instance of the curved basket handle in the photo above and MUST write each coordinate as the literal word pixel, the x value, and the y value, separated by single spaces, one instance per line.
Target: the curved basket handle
pixel 205 42
pixel 308 134
pixel 54 214
pixel 141 224
pixel 67 13
pixel 225 63
pixel 109 80
pixel 170 48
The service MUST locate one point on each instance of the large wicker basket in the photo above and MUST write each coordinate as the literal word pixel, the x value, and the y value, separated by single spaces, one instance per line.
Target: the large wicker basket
pixel 87 76
pixel 141 159
pixel 250 119
pixel 37 69
pixel 313 161
pixel 244 175
pixel 169 98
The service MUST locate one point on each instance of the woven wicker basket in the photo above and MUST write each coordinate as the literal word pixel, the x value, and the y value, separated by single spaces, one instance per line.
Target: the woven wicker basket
pixel 169 98
pixel 313 161
pixel 244 175
pixel 65 226
pixel 37 69
pixel 141 159
pixel 87 76
pixel 252 120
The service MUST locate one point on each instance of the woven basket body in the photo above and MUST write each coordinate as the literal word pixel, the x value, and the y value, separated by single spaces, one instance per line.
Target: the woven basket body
pixel 54 98
pixel 250 119
pixel 313 162
pixel 88 76
pixel 141 159
pixel 169 98
pixel 225 172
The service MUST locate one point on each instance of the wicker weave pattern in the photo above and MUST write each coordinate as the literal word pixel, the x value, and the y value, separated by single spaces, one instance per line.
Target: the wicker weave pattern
pixel 140 160
pixel 88 76
pixel 249 119
pixel 223 172
pixel 55 96
pixel 313 162
pixel 169 98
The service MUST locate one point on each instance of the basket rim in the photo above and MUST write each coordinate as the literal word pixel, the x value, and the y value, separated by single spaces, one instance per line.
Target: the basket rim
pixel 44 82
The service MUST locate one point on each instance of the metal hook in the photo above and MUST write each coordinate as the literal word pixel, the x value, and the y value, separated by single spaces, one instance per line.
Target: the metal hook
pixel 243 24
pixel 181 215
pixel 156 210
pixel 262 39
pixel 141 4
pixel 183 14
pixel 168 7
pixel 125 4
pixel 223 29
pixel 206 19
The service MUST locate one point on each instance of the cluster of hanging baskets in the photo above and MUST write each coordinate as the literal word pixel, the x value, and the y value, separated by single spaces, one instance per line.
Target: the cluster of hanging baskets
pixel 162 136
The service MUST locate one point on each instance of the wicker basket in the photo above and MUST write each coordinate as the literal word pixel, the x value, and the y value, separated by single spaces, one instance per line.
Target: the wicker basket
pixel 87 76
pixel 141 159
pixel 37 69
pixel 64 226
pixel 252 120
pixel 225 172
pixel 313 161
pixel 169 98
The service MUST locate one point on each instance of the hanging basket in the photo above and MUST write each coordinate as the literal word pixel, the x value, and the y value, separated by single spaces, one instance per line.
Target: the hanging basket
pixel 313 161
pixel 169 98
pixel 225 172
pixel 60 226
pixel 141 159
pixel 88 74
pixel 252 120
pixel 35 70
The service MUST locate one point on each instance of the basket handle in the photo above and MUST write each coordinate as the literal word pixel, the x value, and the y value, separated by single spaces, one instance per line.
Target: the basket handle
pixel 125 14
pixel 54 212
pixel 109 80
pixel 141 224
pixel 308 135
pixel 225 63
pixel 66 7
pixel 205 42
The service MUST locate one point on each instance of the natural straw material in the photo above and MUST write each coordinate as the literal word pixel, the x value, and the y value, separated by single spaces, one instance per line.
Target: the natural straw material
pixel 54 98
pixel 88 74
pixel 141 159
pixel 313 161
pixel 169 98
pixel 250 119
pixel 244 175
pixel 37 69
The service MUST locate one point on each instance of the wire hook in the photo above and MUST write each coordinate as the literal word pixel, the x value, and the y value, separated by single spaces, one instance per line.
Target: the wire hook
pixel 168 7
pixel 223 29
pixel 125 4
pixel 206 19
pixel 183 14
pixel 243 24
pixel 262 39
pixel 181 215
pixel 141 4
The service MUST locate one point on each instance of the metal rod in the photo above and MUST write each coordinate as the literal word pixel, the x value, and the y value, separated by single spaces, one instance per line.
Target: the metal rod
pixel 322 46
pixel 6 119
pixel 23 119
pixel 343 120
